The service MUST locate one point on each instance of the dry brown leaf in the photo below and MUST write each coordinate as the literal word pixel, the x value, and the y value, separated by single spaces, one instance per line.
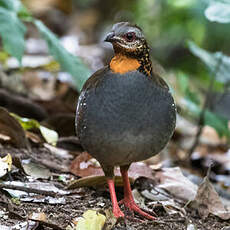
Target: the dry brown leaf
pixel 10 127
pixel 84 165
pixel 96 181
pixel 41 216
pixel 208 201
pixel 173 181
pixel 36 139
pixel 89 168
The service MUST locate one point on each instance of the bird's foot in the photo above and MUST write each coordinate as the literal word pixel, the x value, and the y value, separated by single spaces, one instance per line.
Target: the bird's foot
pixel 118 213
pixel 132 206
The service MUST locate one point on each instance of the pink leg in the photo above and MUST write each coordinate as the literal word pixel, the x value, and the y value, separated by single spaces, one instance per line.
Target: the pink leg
pixel 128 200
pixel 116 210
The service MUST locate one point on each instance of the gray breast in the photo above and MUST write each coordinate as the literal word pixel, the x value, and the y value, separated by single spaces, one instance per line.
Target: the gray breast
pixel 125 118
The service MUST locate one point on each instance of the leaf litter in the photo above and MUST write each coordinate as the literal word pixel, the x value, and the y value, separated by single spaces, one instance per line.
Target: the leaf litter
pixel 169 183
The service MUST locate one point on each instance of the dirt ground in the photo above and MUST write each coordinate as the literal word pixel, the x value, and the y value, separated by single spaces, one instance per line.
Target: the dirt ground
pixel 59 216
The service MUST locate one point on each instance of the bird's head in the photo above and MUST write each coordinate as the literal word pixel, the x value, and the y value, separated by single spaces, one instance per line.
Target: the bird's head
pixel 128 39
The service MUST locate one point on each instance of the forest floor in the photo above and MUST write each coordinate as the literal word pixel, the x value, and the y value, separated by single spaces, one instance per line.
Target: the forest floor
pixel 57 211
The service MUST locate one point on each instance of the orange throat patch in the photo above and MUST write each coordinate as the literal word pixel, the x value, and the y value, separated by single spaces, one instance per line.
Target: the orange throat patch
pixel 122 64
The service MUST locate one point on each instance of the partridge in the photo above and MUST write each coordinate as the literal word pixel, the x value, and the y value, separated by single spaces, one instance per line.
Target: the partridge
pixel 125 112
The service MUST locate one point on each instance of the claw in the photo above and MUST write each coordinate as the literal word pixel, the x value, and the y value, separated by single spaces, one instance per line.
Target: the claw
pixel 132 206
pixel 118 213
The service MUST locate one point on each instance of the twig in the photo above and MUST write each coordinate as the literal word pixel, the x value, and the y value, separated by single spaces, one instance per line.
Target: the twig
pixel 205 105
pixel 182 220
pixel 28 190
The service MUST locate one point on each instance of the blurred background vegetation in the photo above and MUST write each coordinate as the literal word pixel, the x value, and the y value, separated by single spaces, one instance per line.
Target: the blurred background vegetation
pixel 185 37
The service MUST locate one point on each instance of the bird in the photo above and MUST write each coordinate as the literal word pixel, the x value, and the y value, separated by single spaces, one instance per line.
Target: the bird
pixel 125 112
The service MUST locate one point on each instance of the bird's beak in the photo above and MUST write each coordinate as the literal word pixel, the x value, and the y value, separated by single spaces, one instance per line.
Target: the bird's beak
pixel 110 37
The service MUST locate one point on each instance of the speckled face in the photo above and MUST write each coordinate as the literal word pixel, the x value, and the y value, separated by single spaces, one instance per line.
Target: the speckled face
pixel 127 38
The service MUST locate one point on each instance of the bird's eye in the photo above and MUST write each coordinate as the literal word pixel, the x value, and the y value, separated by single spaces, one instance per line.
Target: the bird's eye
pixel 130 36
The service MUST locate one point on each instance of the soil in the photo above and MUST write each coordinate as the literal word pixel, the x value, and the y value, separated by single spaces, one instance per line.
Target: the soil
pixel 82 199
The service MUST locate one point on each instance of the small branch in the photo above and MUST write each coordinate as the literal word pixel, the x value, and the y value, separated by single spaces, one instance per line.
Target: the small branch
pixel 181 220
pixel 205 105
pixel 28 190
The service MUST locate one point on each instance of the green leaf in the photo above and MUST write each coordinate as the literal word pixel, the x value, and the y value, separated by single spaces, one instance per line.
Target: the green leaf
pixel 12 30
pixel 219 123
pixel 184 86
pixel 68 62
pixel 183 82
pixel 8 4
pixel 15 6
pixel 26 123
pixel 212 60
pixel 50 136
pixel 218 11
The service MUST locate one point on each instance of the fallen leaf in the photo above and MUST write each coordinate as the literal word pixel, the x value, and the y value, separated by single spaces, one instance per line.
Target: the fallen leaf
pixel 35 170
pixel 5 164
pixel 172 208
pixel 10 127
pixel 92 220
pixel 91 181
pixel 156 194
pixel 84 165
pixel 89 168
pixel 49 135
pixel 160 196
pixel 208 201
pixel 36 139
pixel 41 216
pixel 173 181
